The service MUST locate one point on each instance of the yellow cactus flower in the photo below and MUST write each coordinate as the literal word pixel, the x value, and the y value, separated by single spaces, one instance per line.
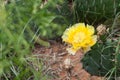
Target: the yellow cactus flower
pixel 79 36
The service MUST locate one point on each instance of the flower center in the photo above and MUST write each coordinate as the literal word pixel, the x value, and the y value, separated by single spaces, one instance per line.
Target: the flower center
pixel 79 37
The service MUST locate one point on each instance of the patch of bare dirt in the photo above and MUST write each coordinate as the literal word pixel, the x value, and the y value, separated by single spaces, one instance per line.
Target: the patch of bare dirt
pixel 62 66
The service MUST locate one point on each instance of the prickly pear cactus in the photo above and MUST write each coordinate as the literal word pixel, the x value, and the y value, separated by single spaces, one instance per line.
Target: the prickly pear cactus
pixel 100 60
pixel 95 11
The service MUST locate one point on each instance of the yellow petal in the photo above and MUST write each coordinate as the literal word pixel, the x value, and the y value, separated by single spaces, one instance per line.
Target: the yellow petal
pixel 90 30
pixel 86 49
pixel 79 25
pixel 94 40
pixel 71 51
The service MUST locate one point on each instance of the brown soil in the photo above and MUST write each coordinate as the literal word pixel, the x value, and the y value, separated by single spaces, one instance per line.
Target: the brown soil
pixel 62 66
